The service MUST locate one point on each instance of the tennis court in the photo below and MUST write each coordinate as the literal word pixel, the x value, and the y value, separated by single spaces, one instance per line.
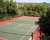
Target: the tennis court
pixel 20 29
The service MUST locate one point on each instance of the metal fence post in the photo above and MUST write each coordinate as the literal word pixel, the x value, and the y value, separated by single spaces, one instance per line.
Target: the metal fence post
pixel 32 35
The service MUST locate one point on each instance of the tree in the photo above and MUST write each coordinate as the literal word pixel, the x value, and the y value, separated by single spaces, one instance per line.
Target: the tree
pixel 2 9
pixel 11 8
pixel 44 23
pixel 8 9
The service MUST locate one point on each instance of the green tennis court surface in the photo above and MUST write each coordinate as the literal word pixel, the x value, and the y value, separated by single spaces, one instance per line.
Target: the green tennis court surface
pixel 19 29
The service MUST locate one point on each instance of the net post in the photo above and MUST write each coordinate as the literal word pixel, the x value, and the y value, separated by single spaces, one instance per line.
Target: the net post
pixel 32 36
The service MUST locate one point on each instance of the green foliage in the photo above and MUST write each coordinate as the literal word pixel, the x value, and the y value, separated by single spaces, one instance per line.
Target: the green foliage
pixel 8 9
pixel 34 10
pixel 44 23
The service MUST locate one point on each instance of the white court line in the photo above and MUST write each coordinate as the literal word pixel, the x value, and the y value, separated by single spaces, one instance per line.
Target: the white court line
pixel 26 33
pixel 20 29
pixel 30 38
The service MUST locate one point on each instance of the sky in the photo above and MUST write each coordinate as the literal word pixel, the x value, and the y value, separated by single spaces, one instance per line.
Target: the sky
pixel 33 1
